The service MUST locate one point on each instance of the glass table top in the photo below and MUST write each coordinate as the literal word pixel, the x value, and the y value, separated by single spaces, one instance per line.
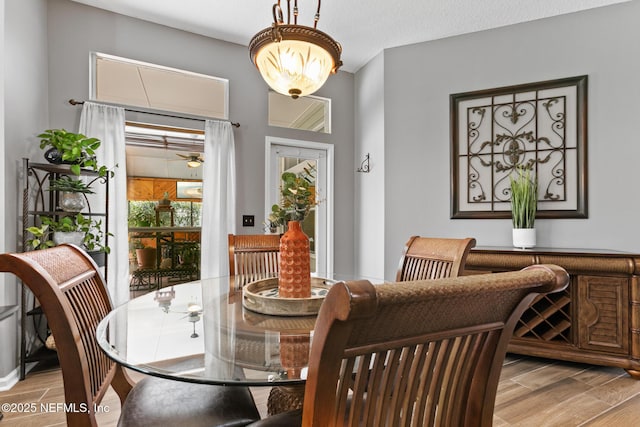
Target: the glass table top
pixel 200 332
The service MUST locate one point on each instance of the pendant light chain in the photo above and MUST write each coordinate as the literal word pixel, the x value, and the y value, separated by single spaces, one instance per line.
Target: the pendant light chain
pixel 295 12
pixel 316 18
pixel 278 17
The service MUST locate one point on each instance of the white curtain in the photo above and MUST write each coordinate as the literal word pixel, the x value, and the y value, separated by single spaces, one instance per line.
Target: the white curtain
pixel 107 123
pixel 218 198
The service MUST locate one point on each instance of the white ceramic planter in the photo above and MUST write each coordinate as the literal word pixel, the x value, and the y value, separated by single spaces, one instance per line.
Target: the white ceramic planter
pixel 524 237
pixel 74 237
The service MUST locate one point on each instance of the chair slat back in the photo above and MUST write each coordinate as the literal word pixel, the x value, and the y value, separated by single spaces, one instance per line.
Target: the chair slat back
pixel 420 353
pixel 433 258
pixel 74 299
pixel 253 257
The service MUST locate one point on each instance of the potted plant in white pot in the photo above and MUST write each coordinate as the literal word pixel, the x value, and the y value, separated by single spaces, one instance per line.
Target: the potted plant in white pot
pixel 79 230
pixel 524 203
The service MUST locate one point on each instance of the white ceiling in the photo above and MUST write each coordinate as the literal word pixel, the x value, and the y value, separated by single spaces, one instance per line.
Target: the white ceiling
pixel 363 27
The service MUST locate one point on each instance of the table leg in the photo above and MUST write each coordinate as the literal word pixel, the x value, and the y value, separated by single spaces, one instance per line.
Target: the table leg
pixel 285 398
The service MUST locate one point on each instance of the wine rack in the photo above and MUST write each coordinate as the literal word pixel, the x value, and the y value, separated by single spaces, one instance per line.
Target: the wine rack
pixel 595 320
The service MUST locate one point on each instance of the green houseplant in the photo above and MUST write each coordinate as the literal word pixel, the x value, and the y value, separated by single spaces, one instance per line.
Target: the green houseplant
pixel 70 185
pixel 78 229
pixel 40 237
pixel 297 198
pixel 73 148
pixel 72 193
pixel 524 203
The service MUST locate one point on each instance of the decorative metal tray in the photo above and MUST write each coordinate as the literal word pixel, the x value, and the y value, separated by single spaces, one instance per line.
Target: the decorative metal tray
pixel 262 296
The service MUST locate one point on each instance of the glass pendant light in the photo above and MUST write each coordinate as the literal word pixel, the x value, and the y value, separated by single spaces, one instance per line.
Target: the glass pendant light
pixel 293 59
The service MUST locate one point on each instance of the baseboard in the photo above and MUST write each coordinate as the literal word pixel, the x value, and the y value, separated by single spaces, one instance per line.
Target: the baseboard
pixel 8 381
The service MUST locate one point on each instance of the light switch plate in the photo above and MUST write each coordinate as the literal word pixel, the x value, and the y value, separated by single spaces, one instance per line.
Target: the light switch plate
pixel 248 220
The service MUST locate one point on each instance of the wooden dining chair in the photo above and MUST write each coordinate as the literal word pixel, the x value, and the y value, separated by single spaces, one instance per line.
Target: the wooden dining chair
pixel 253 257
pixel 433 258
pixel 424 353
pixel 74 299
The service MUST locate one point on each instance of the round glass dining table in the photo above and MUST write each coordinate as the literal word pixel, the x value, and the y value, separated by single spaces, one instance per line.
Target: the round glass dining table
pixel 201 332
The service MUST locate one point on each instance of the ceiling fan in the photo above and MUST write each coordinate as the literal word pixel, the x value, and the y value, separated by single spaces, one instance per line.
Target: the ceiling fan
pixel 194 160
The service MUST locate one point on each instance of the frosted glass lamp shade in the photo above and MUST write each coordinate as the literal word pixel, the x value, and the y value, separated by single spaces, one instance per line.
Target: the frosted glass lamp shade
pixel 295 60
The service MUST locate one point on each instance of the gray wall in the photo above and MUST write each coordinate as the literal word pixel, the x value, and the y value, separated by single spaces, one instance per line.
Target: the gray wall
pixel 3 181
pixel 26 98
pixel 418 80
pixel 370 187
pixel 6 362
pixel 25 112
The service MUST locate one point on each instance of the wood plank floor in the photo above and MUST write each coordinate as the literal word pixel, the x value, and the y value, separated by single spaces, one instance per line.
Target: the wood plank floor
pixel 532 392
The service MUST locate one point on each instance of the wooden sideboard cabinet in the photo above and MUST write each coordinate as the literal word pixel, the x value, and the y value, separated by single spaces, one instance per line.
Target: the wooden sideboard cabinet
pixel 596 320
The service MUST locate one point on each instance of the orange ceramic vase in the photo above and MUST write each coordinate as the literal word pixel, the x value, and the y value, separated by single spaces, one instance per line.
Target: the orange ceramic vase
pixel 294 353
pixel 295 263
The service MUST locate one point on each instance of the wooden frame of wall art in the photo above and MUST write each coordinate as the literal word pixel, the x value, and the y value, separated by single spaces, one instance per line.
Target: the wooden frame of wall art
pixel 541 126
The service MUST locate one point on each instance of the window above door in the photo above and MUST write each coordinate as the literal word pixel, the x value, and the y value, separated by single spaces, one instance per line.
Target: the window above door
pixel 129 82
pixel 311 113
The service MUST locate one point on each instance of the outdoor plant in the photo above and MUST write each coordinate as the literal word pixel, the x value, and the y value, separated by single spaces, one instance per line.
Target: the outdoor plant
pixel 187 214
pixel 189 254
pixel 141 214
pixel 524 197
pixel 165 201
pixel 298 197
pixel 136 244
pixel 74 148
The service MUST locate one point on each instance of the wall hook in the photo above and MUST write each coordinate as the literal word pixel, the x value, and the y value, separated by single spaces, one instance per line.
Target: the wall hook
pixel 364 166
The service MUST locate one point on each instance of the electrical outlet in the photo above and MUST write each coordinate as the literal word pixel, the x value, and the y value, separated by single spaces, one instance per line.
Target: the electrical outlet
pixel 248 220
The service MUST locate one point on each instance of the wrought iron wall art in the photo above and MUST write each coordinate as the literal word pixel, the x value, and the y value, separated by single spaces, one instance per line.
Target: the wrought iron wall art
pixel 538 125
